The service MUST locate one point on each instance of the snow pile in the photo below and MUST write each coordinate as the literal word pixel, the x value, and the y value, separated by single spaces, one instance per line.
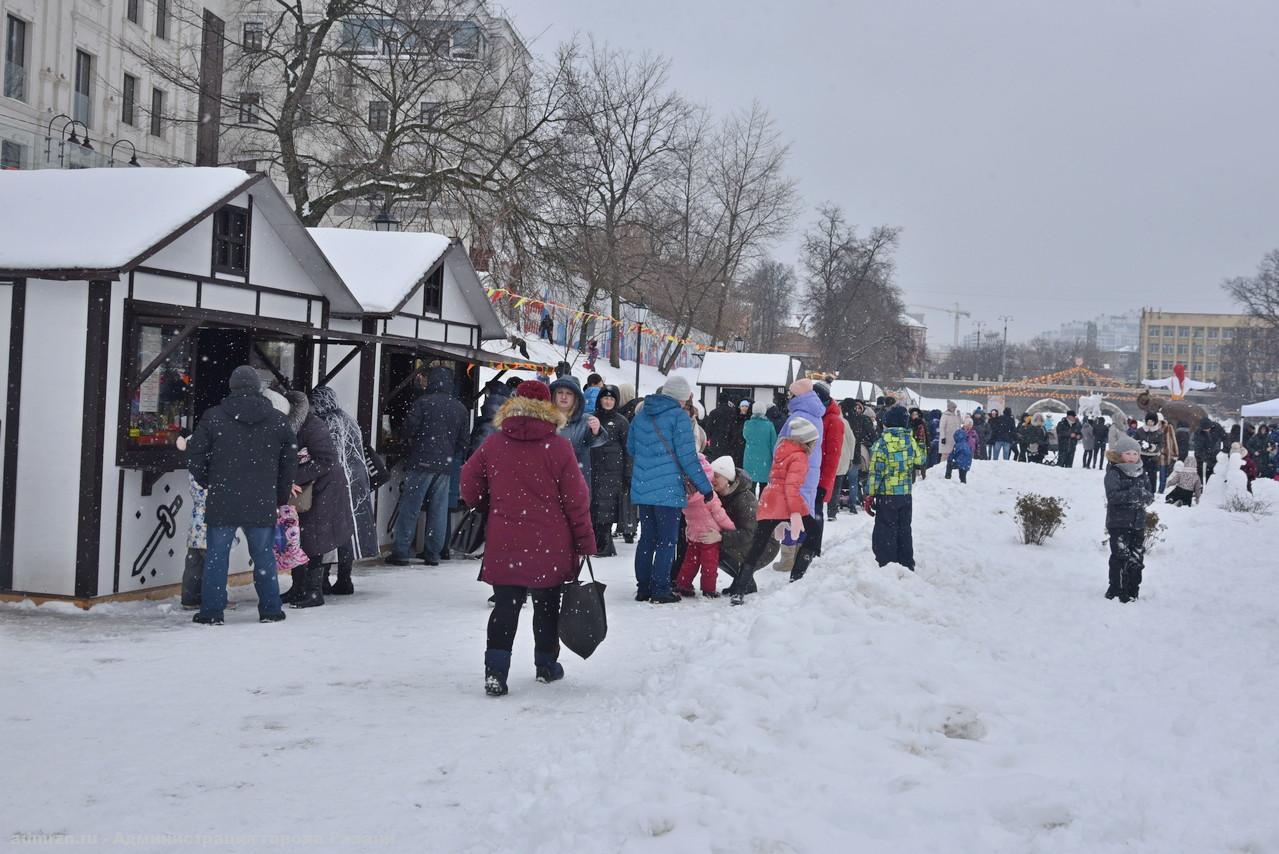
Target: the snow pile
pixel 992 702
pixel 100 219
pixel 380 268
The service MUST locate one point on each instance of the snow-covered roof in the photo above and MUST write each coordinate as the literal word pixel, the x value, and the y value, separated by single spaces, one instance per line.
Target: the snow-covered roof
pixel 381 267
pixel 907 320
pixel 102 220
pixel 856 389
pixel 749 370
pixel 384 268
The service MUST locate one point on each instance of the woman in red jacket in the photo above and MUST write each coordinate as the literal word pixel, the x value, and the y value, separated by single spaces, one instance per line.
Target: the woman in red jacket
pixel 538 528
pixel 782 501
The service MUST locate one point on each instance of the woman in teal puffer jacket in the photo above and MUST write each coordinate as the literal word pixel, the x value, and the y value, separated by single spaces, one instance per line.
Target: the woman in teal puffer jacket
pixel 761 438
pixel 660 443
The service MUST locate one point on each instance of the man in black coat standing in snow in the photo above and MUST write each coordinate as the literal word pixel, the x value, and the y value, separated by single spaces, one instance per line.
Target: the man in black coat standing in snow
pixel 1069 432
pixel 438 428
pixel 244 452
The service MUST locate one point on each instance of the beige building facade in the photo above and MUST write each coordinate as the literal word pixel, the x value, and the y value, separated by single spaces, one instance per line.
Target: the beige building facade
pixel 1198 341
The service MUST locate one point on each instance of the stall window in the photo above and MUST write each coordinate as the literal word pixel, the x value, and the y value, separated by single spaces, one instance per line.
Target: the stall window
pixel 231 241
pixel 161 404
pixel 194 375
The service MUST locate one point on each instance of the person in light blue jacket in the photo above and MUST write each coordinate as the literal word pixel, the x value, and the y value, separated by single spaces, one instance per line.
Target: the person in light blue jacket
pixel 660 443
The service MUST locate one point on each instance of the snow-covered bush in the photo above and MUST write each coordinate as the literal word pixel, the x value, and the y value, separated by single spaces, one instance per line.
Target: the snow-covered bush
pixel 1245 503
pixel 1038 517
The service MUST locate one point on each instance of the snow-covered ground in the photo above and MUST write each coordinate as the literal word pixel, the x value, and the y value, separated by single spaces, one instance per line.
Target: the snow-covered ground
pixel 993 702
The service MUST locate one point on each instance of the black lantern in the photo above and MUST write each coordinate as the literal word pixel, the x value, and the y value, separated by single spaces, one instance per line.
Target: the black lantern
pixel 385 221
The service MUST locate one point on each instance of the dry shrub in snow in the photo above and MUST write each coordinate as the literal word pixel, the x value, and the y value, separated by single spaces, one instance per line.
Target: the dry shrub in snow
pixel 1038 517
pixel 1155 530
pixel 1243 503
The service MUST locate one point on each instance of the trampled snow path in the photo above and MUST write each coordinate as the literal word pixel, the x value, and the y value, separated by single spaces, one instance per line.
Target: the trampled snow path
pixel 993 702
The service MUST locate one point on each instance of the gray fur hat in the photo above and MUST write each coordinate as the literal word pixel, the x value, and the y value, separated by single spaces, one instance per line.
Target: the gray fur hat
pixel 1121 441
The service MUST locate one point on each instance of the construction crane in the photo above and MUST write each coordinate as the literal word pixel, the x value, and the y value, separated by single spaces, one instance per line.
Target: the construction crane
pixel 956 311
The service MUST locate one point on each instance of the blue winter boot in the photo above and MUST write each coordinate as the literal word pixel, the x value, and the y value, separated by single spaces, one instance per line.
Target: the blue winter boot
pixel 497 663
pixel 548 667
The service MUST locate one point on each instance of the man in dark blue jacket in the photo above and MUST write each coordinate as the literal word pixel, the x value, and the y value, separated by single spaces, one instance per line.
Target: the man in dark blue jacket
pixel 244 452
pixel 437 428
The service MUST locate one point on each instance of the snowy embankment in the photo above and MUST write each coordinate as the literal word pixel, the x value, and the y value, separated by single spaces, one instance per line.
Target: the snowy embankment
pixel 992 702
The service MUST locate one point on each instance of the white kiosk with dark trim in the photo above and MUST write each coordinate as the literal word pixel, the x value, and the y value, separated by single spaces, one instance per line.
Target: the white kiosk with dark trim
pixel 127 297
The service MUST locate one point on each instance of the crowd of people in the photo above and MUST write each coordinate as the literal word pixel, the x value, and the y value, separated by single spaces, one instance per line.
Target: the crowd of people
pixel 561 471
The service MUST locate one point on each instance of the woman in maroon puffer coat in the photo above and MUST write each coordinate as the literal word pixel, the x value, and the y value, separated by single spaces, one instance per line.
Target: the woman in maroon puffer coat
pixel 538 527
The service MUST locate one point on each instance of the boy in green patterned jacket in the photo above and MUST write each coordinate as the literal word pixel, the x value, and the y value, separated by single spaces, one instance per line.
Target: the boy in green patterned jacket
pixel 893 458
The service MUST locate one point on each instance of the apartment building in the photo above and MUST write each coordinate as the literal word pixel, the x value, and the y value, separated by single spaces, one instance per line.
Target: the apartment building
pixel 78 93
pixel 1198 341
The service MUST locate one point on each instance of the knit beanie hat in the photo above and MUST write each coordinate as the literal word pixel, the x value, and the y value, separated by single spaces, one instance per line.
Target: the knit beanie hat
pixel 678 388
pixel 1121 442
pixel 823 392
pixel 801 431
pixel 1179 466
pixel 801 386
pixel 533 390
pixel 244 378
pixel 896 417
pixel 725 468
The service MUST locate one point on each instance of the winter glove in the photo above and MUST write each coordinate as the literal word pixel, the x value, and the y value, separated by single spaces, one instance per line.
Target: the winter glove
pixel 711 537
pixel 868 504
pixel 707 496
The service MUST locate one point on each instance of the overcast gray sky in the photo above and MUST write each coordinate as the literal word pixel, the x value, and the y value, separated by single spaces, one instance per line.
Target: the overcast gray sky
pixel 1047 159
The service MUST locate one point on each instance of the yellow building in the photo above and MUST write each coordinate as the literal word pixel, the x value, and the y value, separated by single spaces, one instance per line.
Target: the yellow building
pixel 1198 341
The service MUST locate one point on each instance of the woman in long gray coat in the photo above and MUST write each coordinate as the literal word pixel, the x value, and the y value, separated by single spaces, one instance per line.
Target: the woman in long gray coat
pixel 349 442
pixel 328 523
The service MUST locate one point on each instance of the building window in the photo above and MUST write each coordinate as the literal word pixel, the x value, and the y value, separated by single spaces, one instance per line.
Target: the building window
pixel 12 155
pixel 252 40
pixel 129 100
pixel 1227 333
pixel 379 115
pixel 1167 366
pixel 15 58
pixel 429 111
pixel 157 112
pixel 162 18
pixel 131 10
pixel 250 108
pixel 466 41
pixel 1167 349
pixel 1152 348
pixel 1213 332
pixel 1183 349
pixel 433 292
pixel 231 241
pixel 1183 331
pixel 250 166
pixel 1198 332
pixel 82 109
pixel 1154 331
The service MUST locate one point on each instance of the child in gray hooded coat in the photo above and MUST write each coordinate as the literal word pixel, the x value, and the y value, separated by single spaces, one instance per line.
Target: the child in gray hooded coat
pixel 1127 495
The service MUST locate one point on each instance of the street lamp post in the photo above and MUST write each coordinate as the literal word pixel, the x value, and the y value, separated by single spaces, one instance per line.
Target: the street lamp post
pixel 641 314
pixel 977 352
pixel 739 344
pixel 133 157
pixel 1003 349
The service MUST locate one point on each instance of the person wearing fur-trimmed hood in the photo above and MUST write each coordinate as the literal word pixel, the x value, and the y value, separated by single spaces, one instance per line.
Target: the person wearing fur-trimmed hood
pixel 538 527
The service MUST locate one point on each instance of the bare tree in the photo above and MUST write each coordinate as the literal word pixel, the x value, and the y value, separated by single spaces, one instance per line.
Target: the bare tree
pixel 853 308
pixel 769 291
pixel 1259 294
pixel 363 104
pixel 756 201
pixel 621 120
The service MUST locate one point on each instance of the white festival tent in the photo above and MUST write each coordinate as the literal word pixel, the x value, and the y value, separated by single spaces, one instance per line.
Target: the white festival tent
pixel 1264 409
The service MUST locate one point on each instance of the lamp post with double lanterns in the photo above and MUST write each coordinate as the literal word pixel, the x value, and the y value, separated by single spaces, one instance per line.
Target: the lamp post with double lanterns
pixel 63 138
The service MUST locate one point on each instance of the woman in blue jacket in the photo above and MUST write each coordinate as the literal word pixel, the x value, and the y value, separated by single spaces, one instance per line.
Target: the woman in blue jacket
pixel 660 443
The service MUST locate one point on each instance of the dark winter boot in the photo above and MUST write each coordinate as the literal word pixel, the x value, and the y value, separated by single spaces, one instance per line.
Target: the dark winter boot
pixel 312 588
pixel 296 590
pixel 802 559
pixel 497 664
pixel 343 586
pixel 548 667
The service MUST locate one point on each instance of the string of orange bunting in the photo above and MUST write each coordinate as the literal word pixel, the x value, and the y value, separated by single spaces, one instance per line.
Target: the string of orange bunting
pixel 519 300
pixel 1028 387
